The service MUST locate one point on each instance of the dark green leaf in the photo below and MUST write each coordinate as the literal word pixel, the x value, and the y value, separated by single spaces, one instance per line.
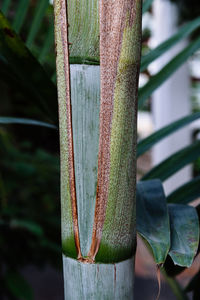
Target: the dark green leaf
pixel 6 73
pixel 156 80
pixel 49 41
pixel 5 6
pixel 148 142
pixel 53 78
pixel 36 84
pixel 51 245
pixel 183 32
pixel 146 5
pixel 20 14
pixel 186 193
pixel 18 286
pixel 152 218
pixel 184 225
pixel 28 225
pixel 174 163
pixel 22 121
pixel 38 17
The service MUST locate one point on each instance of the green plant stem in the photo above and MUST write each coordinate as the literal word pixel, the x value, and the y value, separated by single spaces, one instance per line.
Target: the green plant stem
pixel 175 286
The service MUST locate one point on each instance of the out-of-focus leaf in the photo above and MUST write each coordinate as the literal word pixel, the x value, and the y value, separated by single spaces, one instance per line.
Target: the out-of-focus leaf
pixel 20 14
pixel 174 163
pixel 18 286
pixel 36 84
pixel 175 286
pixel 151 140
pixel 28 225
pixel 49 41
pixel 152 218
pixel 5 6
pixel 182 33
pixel 186 193
pixel 6 73
pixel 23 121
pixel 156 80
pixel 53 246
pixel 54 77
pixel 38 17
pixel 184 225
pixel 16 85
pixel 146 5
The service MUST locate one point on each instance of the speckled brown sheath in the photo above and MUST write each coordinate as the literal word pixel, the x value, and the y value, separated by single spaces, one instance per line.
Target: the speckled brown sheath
pixel 114 220
pixel 113 16
pixel 65 42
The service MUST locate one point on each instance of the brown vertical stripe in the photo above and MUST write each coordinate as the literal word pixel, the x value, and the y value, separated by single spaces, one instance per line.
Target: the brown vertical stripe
pixel 64 33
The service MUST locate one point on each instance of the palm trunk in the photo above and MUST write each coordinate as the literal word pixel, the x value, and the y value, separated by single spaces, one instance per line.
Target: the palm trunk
pixel 98 155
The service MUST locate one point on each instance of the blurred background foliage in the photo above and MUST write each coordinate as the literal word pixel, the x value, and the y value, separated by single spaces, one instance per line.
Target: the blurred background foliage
pixel 188 9
pixel 29 164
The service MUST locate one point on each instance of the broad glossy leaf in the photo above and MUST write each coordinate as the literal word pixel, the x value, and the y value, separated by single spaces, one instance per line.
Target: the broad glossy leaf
pixel 156 80
pixel 152 218
pixel 184 226
pixel 151 140
pixel 183 32
pixel 18 286
pixel 36 84
pixel 186 193
pixel 24 121
pixel 174 163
